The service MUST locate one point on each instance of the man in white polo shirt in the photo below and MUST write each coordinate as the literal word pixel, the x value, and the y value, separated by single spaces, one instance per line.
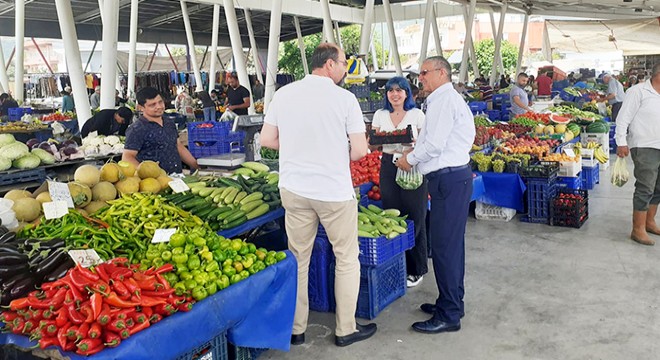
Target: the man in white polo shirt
pixel 318 128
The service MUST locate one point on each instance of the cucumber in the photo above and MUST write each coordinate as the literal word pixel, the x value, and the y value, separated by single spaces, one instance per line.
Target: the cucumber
pixel 267 197
pixel 383 230
pixel 257 167
pixel 364 210
pixel 364 218
pixel 235 216
pixel 254 196
pixel 239 197
pixel 181 200
pixel 367 228
pixel 399 229
pixel 232 195
pixel 391 213
pixel 275 203
pixel 235 223
pixel 244 185
pixel 213 215
pixel 205 211
pixel 206 192
pixel 201 208
pixel 259 211
pixel 196 184
pixel 229 182
pixel 375 209
pixel 251 206
pixel 403 223
pixel 365 234
pixel 192 203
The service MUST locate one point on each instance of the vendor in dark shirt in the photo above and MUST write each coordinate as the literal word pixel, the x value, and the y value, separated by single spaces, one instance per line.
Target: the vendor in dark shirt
pixel 108 122
pixel 238 97
pixel 208 106
pixel 154 138
pixel 6 103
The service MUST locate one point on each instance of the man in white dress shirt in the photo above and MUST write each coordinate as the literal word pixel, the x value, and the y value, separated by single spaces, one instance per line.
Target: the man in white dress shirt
pixel 442 154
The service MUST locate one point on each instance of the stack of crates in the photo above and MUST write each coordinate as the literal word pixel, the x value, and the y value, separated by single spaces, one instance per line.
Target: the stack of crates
pixel 478 107
pixel 214 138
pixel 362 93
pixel 541 189
pixel 15 114
pixel 214 349
pixel 612 140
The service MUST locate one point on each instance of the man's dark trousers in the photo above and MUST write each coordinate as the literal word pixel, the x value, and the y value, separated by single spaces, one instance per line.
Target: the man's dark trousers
pixel 450 200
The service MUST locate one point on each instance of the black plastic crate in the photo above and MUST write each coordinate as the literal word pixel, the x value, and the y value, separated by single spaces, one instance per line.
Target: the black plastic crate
pixel 16 177
pixel 570 208
pixel 540 193
pixel 214 349
pixel 375 139
pixel 541 170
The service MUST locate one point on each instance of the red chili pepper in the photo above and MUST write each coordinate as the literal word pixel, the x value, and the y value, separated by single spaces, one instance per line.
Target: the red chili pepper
pixel 87 273
pixel 163 281
pixel 59 297
pixel 95 331
pixel 39 304
pixel 121 274
pixel 111 339
pixel 72 333
pixel 51 329
pixel 77 280
pixel 124 334
pixel 70 346
pixel 114 300
pixel 28 326
pixel 139 327
pixel 155 318
pixel 147 310
pixel 18 304
pixel 139 318
pixel 87 344
pixel 116 325
pixel 91 351
pixel 140 276
pixel 97 304
pixel 165 269
pixel 150 301
pixel 62 317
pixel 87 311
pixel 160 293
pixel 119 261
pixel 150 285
pixel 74 315
pixel 83 330
pixel 37 314
pixel 123 314
pixel 132 286
pixel 75 292
pixel 53 285
pixel 8 316
pixel 130 322
pixel 103 275
pixel 17 325
pixel 61 336
pixel 46 342
pixel 185 307
pixel 164 309
pixel 120 288
pixel 104 316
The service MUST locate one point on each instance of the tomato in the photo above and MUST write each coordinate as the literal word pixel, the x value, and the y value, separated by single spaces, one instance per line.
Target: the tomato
pixel 376 196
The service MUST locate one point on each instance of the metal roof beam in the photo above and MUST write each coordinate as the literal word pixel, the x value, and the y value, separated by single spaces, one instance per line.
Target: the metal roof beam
pixel 96 13
pixel 614 14
pixel 402 12
pixel 10 7
pixel 174 15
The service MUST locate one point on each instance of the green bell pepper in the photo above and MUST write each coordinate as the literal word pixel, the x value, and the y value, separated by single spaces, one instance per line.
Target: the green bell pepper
pixel 199 293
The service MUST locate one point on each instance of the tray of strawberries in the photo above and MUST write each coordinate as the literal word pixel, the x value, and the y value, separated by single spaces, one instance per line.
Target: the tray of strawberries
pixel 399 136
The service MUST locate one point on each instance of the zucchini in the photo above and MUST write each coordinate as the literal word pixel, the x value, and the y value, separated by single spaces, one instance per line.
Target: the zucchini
pixel 196 184
pixel 213 215
pixel 229 182
pixel 251 206
pixel 240 196
pixel 217 198
pixel 227 214
pixel 259 211
pixel 192 203
pixel 205 211
pixel 225 192
pixel 181 200
pixel 235 223
pixel 235 216
pixel 206 191
pixel 196 190
pixel 274 204
pixel 267 197
pixel 232 195
pixel 254 196
pixel 257 167
pixel 244 185
pixel 217 191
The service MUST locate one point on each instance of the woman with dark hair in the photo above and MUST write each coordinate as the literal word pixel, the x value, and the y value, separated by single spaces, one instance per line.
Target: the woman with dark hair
pixel 399 112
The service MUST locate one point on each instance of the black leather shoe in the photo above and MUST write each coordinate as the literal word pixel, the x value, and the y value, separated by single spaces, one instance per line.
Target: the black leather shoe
pixel 298 339
pixel 434 326
pixel 430 309
pixel 363 333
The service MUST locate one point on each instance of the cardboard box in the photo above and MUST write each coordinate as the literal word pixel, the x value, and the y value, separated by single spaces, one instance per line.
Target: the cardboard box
pixel 569 168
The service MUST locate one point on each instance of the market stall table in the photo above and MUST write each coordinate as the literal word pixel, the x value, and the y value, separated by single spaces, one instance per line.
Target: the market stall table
pixel 478 188
pixel 503 189
pixel 253 224
pixel 256 313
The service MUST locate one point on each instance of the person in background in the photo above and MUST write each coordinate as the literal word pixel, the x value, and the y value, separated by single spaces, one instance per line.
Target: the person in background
pixel 208 105
pixel 632 81
pixel 108 122
pixel 442 153
pixel 6 103
pixel 415 95
pixel 258 90
pixel 153 137
pixel 119 101
pixel 529 89
pixel 238 96
pixel 184 104
pixel 504 82
pixel 67 100
pixel 519 100
pixel 399 112
pixel 638 134
pixel 544 84
pixel 614 95
pixel 486 90
pixel 95 98
pixel 318 128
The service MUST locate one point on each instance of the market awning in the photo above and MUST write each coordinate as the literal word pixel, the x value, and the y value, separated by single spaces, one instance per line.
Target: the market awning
pixel 633 37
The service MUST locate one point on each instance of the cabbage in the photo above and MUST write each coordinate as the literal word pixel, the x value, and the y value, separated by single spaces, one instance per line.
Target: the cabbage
pixel 46 157
pixel 28 161
pixel 6 139
pixel 5 163
pixel 111 140
pixel 14 150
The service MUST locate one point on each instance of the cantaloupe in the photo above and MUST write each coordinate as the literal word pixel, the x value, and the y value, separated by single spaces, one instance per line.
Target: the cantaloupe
pixel 88 175
pixel 17 194
pixel 27 209
pixel 127 168
pixel 80 193
pixel 128 186
pixel 111 172
pixel 44 197
pixel 95 206
pixel 150 185
pixel 104 191
pixel 148 169
pixel 164 181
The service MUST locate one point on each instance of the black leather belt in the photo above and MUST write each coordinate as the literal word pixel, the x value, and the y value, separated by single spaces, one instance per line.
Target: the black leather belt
pixel 447 170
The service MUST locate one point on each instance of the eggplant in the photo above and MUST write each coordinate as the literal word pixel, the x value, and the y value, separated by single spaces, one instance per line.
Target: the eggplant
pixel 7 285
pixel 37 259
pixel 10 248
pixel 22 288
pixel 44 245
pixel 32 143
pixel 3 230
pixel 7 271
pixel 7 258
pixel 8 237
pixel 54 260
pixel 60 271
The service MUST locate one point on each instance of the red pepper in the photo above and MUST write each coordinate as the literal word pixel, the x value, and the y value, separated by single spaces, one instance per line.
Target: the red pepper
pixel 18 304
pixel 147 310
pixel 17 325
pixel 95 331
pixel 70 346
pixel 77 280
pixel 132 286
pixel 160 293
pixel 87 273
pixel 150 301
pixel 74 315
pixel 140 276
pixel 164 309
pixel 139 318
pixel 139 327
pixel 83 330
pixel 104 316
pixel 91 351
pixel 100 287
pixel 72 333
pixel 59 297
pixel 87 344
pixel 130 322
pixel 53 285
pixel 96 302
pixel 38 314
pixel 61 336
pixel 103 275
pixel 46 342
pixel 75 292
pixel 39 304
pixel 163 281
pixel 124 334
pixel 114 300
pixel 51 329
pixel 116 325
pixel 150 285
pixel 121 274
pixel 185 307
pixel 88 313
pixel 111 339
pixel 155 318
pixel 62 317
pixel 119 261
pixel 28 326
pixel 165 269
pixel 8 316
pixel 120 288
pixel 124 314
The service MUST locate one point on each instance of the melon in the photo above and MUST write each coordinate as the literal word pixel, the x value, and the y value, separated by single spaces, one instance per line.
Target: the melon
pixel 549 130
pixel 568 136
pixel 150 185
pixel 111 172
pixel 104 191
pixel 560 129
pixel 128 186
pixel 44 197
pixel 88 175
pixel 95 206
pixel 164 181
pixel 539 129
pixel 80 193
pixel 559 119
pixel 27 209
pixel 17 194
pixel 148 169
pixel 127 168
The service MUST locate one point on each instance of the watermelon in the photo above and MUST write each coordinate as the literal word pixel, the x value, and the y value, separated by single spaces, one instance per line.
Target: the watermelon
pixel 598 127
pixel 559 119
pixel 574 128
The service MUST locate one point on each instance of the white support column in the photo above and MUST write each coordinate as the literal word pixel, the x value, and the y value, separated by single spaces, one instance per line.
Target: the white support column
pixel 365 33
pixel 470 46
pixel 327 23
pixel 132 49
pixel 237 48
pixel 547 47
pixel 426 30
pixel 374 56
pixel 523 38
pixel 101 7
pixel 4 79
pixel 74 63
pixel 191 46
pixel 253 46
pixel 301 44
pixel 496 57
pixel 466 43
pixel 273 50
pixel 498 41
pixel 19 56
pixel 214 46
pixel 109 54
pixel 393 45
pixel 436 34
pixel 338 35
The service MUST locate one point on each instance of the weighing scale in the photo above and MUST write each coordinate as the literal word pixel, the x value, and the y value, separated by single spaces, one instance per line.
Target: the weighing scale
pixel 251 124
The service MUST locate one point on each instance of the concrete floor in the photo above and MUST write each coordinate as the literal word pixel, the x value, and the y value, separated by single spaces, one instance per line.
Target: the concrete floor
pixel 532 292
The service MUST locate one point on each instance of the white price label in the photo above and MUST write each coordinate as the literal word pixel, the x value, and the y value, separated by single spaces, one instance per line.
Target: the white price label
pixel 569 152
pixel 85 258
pixel 163 235
pixel 60 192
pixel 178 185
pixel 55 209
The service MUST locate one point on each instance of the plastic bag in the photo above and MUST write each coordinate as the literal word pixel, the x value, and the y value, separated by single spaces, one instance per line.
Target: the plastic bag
pixel 602 108
pixel 620 172
pixel 409 180
pixel 228 115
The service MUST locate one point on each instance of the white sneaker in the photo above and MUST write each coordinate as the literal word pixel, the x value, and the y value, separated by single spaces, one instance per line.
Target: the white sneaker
pixel 414 280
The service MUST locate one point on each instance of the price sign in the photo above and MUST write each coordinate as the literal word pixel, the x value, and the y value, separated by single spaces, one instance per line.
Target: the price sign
pixel 85 258
pixel 178 186
pixel 569 152
pixel 60 192
pixel 55 209
pixel 163 235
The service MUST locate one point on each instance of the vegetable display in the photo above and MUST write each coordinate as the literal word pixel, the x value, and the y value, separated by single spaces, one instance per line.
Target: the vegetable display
pixel 374 222
pixel 366 169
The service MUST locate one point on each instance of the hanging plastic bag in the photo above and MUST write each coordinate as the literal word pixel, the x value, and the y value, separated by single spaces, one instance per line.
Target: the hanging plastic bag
pixel 228 115
pixel 602 108
pixel 620 172
pixel 409 180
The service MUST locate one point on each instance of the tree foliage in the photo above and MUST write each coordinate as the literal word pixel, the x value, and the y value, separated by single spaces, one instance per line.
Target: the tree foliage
pixel 485 50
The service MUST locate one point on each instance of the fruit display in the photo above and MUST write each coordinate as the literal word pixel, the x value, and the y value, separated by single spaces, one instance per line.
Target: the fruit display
pixel 561 158
pixel 531 119
pixel 528 145
pixel 374 193
pixel 575 114
pixel 482 120
pixel 374 222
pixel 485 135
pixel 398 136
pixel 28 123
pixel 570 208
pixel 366 169
pixel 516 129
pixel 598 126
pixel 599 153
pixel 499 163
pixel 58 116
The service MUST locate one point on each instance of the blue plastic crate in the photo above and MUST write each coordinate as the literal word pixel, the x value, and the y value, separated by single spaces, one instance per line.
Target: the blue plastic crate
pixel 574 183
pixel 505 116
pixel 500 98
pixel 380 286
pixel 365 105
pixel 215 349
pixel 360 91
pixel 215 131
pixel 320 286
pixel 539 194
pixel 478 106
pixel 16 177
pixel 16 114
pixel 494 115
pixel 590 177
pixel 375 105
pixel 567 97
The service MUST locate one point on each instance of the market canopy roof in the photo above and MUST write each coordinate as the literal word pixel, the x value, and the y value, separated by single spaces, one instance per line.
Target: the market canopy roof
pixel 633 37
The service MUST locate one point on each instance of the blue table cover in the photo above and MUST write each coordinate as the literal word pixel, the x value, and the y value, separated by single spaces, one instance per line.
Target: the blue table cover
pixel 252 224
pixel 478 187
pixel 503 189
pixel 256 312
